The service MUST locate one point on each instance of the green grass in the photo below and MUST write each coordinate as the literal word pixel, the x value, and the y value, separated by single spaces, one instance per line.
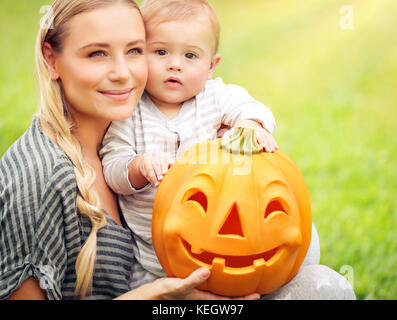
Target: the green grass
pixel 331 90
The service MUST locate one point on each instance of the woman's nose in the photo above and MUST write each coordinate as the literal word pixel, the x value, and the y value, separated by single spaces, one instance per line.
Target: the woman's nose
pixel 120 71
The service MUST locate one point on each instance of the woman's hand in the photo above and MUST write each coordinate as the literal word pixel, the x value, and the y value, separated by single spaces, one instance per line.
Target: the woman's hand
pixel 180 289
pixel 264 137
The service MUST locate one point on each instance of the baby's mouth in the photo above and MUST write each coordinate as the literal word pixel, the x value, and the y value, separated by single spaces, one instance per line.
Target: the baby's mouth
pixel 173 82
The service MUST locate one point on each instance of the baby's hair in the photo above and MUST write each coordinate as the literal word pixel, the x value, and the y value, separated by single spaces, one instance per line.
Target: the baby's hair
pixel 53 111
pixel 159 11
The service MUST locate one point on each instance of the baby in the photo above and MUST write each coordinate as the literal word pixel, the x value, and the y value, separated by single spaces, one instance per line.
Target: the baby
pixel 181 107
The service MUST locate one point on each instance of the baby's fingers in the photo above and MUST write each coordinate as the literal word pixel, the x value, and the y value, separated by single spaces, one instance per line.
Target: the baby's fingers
pixel 160 167
pixel 149 173
pixel 266 140
pixel 227 134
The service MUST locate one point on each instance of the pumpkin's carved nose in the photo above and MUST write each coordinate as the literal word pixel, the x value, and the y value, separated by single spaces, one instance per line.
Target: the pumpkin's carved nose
pixel 232 224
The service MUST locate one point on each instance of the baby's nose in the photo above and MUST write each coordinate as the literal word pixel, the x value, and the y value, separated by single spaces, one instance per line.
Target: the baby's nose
pixel 174 65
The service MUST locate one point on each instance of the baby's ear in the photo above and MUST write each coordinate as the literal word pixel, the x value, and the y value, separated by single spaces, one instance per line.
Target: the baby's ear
pixel 215 60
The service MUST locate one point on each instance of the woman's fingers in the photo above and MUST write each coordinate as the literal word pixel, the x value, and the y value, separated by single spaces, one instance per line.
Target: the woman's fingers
pixel 178 289
pixel 199 276
pixel 252 296
pixel 182 289
pixel 196 278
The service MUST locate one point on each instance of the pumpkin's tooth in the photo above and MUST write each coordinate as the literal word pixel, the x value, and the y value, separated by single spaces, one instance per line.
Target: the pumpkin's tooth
pixel 259 263
pixel 196 250
pixel 218 263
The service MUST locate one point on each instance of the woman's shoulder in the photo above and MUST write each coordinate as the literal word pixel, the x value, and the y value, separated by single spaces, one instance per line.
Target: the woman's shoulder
pixel 37 210
pixel 33 155
pixel 32 168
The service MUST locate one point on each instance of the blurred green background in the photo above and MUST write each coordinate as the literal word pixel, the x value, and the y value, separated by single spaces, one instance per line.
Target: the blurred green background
pixel 329 74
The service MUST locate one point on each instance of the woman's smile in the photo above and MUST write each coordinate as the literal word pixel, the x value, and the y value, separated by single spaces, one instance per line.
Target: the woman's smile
pixel 117 95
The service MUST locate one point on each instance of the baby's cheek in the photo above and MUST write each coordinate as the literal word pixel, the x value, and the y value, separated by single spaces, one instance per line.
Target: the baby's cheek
pixel 198 79
pixel 153 69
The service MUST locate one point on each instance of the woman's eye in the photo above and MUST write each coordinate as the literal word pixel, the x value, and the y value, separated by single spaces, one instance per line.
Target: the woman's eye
pixel 96 54
pixel 190 55
pixel 135 51
pixel 161 52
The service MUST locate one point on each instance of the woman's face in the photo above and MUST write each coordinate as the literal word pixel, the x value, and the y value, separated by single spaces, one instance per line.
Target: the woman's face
pixel 102 65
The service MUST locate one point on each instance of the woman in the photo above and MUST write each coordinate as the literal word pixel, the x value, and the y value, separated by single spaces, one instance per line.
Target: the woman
pixel 61 235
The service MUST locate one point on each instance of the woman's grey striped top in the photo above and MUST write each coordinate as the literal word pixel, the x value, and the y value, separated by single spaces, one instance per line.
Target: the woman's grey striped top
pixel 41 232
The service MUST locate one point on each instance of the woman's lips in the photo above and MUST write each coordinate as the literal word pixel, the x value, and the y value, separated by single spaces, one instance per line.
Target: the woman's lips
pixel 117 95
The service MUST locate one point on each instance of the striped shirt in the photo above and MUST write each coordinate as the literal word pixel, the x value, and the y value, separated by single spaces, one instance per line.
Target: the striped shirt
pixel 41 232
pixel 150 131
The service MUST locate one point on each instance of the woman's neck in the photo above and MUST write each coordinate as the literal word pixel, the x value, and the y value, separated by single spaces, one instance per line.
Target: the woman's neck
pixel 90 133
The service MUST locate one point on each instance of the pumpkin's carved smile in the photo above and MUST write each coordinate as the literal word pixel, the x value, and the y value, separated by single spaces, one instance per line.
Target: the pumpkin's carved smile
pixel 210 258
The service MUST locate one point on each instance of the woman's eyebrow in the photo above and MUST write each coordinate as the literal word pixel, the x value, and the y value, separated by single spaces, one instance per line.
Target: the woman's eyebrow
pixel 133 43
pixel 105 45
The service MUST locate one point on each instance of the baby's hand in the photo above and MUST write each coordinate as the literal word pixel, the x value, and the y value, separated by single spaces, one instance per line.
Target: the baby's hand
pixel 263 137
pixel 153 166
pixel 266 140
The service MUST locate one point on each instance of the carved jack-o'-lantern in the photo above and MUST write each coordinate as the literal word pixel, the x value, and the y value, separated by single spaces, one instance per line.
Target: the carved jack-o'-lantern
pixel 243 213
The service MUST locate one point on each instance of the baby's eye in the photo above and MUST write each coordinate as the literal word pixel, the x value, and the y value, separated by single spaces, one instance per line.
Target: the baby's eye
pixel 161 52
pixel 96 54
pixel 190 55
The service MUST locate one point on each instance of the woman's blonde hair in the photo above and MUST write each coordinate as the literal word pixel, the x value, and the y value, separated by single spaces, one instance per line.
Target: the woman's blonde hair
pixel 158 11
pixel 53 112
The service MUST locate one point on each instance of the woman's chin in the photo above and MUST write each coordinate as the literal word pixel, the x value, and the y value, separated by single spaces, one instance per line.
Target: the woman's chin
pixel 121 113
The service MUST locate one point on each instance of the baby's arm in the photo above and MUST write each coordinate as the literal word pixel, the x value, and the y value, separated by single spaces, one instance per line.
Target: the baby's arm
pixel 238 108
pixel 125 171
pixel 117 153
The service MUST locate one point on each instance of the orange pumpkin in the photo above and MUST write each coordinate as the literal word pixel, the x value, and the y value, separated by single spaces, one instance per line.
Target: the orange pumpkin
pixel 243 213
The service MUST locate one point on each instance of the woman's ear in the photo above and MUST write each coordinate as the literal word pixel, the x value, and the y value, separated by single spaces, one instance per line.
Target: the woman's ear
pixel 215 60
pixel 49 56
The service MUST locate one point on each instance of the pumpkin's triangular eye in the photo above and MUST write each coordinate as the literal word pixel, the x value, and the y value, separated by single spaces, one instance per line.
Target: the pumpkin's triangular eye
pixel 232 225
pixel 200 198
pixel 274 206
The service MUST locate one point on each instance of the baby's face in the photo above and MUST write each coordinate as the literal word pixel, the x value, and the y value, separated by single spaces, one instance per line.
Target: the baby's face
pixel 181 59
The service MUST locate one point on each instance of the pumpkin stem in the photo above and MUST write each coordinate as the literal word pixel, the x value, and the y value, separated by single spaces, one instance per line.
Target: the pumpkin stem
pixel 243 140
